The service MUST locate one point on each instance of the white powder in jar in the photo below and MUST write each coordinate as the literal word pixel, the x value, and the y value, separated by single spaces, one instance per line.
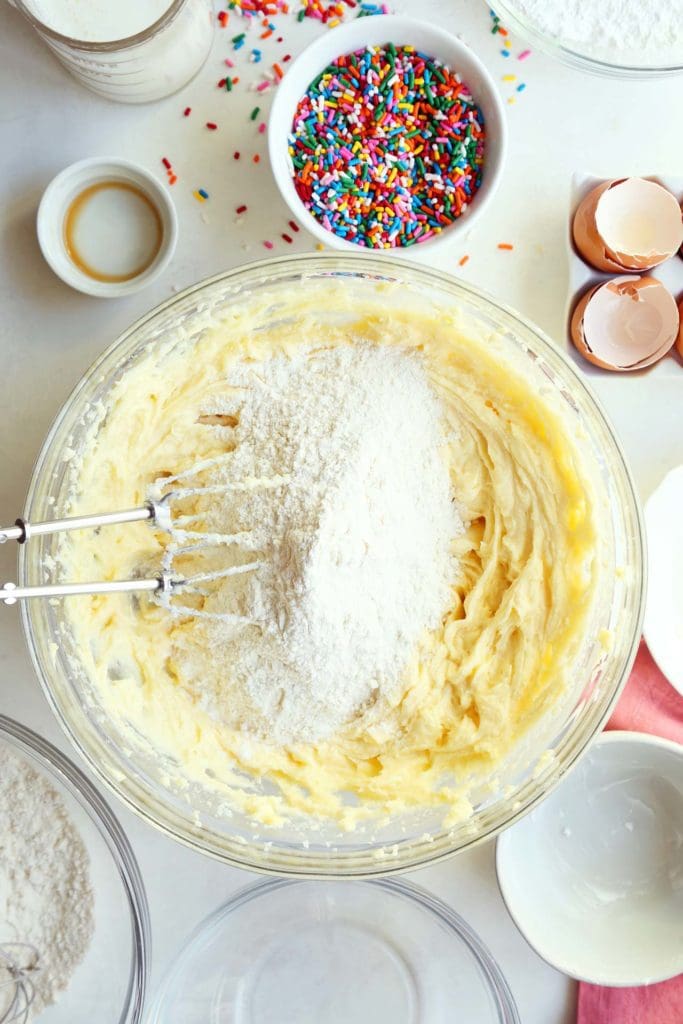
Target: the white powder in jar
pixel 355 545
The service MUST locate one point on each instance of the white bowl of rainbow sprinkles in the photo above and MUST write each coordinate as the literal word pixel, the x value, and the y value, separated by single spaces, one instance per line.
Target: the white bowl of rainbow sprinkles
pixel 386 133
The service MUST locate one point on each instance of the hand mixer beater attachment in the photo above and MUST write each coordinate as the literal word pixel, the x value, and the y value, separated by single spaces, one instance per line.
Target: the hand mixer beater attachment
pixel 165 511
pixel 18 962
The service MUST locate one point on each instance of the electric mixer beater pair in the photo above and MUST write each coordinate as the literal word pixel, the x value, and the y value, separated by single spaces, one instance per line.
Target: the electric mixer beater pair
pixel 162 511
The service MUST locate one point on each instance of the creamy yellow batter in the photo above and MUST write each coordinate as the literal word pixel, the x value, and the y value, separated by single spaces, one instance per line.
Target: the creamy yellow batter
pixel 527 574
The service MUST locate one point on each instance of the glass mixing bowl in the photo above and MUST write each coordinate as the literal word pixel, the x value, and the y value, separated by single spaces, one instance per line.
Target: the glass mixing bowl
pixel 339 952
pixel 109 985
pixel 194 815
pixel 526 29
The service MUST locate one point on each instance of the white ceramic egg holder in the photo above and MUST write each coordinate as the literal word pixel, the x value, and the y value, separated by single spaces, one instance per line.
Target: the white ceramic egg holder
pixel 582 277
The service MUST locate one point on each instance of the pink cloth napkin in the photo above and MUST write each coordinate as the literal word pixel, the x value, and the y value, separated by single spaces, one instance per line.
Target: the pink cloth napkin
pixel 649 703
pixel 651 1004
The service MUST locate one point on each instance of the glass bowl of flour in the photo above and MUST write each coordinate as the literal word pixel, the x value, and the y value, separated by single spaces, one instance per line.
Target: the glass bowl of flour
pixel 617 38
pixel 74 920
pixel 267 733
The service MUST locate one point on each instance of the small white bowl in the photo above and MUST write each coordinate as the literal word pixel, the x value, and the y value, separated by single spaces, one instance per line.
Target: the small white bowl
pixel 70 183
pixel 377 31
pixel 663 623
pixel 593 877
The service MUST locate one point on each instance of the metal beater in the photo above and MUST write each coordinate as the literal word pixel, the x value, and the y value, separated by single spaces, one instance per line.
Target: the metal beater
pixel 184 540
pixel 18 962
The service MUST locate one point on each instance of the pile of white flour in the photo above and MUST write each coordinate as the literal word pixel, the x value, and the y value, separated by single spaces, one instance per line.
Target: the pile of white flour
pixel 45 895
pixel 633 31
pixel 355 544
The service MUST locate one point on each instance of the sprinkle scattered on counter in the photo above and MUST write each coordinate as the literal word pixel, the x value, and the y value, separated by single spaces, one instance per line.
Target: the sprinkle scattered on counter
pixel 170 173
pixel 387 147
pixel 201 195
pixel 187 111
pixel 259 8
pixel 500 30
pixel 212 126
pixel 327 12
pixel 463 260
pixel 506 245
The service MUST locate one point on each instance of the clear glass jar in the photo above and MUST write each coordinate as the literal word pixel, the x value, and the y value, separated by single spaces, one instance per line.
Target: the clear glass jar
pixel 196 815
pixel 146 66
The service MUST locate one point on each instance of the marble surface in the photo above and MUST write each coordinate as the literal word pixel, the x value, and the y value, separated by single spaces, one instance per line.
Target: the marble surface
pixel 49 334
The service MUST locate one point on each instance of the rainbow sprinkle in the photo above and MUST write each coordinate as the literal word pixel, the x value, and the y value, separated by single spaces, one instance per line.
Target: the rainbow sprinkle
pixel 259 8
pixel 387 147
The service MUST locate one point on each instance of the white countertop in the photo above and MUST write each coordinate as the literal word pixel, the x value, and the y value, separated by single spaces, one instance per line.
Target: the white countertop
pixel 49 334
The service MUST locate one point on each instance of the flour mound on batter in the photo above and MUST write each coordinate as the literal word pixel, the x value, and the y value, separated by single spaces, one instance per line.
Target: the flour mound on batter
pixel 354 544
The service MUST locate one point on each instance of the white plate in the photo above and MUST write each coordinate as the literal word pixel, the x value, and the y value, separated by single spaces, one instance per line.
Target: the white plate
pixel 663 624
pixel 582 277
pixel 593 877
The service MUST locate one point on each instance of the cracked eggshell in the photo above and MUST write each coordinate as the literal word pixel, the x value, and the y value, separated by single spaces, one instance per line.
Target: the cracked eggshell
pixel 625 324
pixel 628 224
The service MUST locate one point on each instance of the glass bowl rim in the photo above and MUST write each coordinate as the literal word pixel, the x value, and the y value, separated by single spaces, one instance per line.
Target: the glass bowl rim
pixel 62 771
pixel 109 45
pixel 573 58
pixel 492 974
pixel 294 862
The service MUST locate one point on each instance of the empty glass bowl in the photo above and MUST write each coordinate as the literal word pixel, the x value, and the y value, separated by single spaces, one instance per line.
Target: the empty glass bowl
pixel 340 952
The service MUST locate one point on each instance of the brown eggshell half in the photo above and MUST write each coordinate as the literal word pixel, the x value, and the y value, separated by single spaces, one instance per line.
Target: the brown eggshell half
pixel 585 233
pixel 679 343
pixel 613 333
pixel 641 194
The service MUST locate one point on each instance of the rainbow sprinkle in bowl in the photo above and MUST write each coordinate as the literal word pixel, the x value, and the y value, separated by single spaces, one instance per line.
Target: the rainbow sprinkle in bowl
pixel 386 133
